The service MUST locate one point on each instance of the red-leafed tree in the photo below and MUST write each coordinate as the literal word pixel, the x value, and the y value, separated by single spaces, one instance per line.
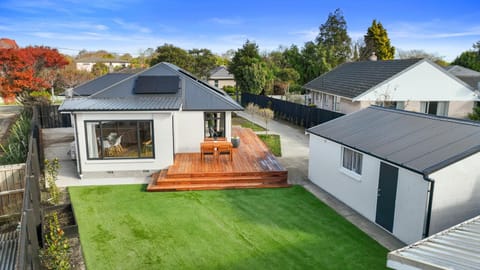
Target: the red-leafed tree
pixel 28 69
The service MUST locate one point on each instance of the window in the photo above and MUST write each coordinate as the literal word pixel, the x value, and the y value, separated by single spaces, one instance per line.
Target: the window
pixel 435 107
pixel 214 124
pixel 352 160
pixel 119 139
pixel 216 83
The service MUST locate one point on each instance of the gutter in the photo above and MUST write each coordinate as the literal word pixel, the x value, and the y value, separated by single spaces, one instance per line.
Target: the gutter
pixel 426 230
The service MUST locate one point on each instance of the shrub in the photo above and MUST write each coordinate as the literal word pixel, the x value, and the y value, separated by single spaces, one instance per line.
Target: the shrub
pixel 16 149
pixel 229 89
pixel 56 253
pixel 51 173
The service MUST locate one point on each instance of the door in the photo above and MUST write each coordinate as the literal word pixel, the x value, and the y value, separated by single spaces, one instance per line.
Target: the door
pixel 386 195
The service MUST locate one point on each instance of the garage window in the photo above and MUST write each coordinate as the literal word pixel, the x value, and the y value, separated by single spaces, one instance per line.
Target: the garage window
pixel 352 160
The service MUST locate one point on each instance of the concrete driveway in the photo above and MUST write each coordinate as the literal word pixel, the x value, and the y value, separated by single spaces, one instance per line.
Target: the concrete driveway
pixel 295 152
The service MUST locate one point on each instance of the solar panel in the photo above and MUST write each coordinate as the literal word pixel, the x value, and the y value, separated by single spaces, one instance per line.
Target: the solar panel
pixel 156 85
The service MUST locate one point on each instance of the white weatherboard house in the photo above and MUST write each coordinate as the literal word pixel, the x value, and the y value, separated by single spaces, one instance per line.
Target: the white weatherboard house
pixel 417 85
pixel 140 122
pixel 413 174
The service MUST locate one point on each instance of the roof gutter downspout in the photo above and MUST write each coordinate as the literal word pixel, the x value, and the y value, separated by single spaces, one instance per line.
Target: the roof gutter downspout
pixel 426 230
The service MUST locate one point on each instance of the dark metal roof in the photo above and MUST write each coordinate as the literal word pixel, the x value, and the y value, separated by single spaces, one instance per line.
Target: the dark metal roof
pixel 139 103
pixel 194 95
pixel 419 142
pixel 220 72
pixel 8 250
pixel 97 84
pixel 353 79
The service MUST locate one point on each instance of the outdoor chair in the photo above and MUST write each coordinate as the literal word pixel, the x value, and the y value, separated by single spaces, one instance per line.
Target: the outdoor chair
pixel 207 148
pixel 225 149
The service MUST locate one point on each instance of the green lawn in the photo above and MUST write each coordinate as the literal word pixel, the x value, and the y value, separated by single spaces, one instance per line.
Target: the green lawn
pixel 123 227
pixel 239 121
pixel 273 143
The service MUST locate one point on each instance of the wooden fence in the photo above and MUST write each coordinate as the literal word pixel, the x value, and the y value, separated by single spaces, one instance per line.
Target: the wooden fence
pixel 295 113
pixel 12 184
pixel 49 117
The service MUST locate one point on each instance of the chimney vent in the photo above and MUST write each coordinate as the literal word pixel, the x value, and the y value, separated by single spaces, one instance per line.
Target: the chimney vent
pixel 372 57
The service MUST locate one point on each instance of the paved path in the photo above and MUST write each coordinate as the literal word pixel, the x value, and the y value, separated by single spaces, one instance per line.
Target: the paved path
pixel 294 158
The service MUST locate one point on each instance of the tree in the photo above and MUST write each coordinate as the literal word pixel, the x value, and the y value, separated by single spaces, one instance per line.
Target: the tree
pixel 174 55
pixel 99 69
pixel 70 77
pixel 333 37
pixel 377 41
pixel 267 115
pixel 203 61
pixel 422 54
pixel 469 59
pixel 475 115
pixel 314 62
pixel 28 69
pixel 250 75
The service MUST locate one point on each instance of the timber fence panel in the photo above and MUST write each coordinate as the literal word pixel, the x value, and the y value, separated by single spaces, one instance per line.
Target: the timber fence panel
pixel 12 183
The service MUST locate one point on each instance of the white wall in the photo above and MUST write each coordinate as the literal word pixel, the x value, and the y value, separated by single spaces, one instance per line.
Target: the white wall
pixel 188 131
pixel 423 82
pixel 324 169
pixel 163 142
pixel 456 195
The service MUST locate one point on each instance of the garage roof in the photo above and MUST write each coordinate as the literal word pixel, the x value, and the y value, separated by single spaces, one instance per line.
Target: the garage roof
pixel 420 142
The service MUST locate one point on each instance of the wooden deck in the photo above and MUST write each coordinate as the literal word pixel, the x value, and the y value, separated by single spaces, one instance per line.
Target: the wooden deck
pixel 253 166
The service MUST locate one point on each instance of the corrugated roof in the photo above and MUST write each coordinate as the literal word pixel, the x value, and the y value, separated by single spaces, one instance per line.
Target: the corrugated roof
pixel 139 103
pixel 220 72
pixel 8 250
pixel 419 142
pixel 352 79
pixel 455 248
pixel 97 84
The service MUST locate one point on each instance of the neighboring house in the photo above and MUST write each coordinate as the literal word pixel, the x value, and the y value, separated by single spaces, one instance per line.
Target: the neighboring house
pixel 112 64
pixel 220 77
pixel 412 174
pixel 417 85
pixel 454 248
pixel 469 76
pixel 6 43
pixel 141 122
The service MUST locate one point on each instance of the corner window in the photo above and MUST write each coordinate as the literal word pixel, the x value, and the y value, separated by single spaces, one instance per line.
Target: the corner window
pixel 352 160
pixel 117 139
pixel 214 124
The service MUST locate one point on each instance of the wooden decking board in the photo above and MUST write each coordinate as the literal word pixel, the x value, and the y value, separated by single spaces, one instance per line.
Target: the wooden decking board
pixel 253 166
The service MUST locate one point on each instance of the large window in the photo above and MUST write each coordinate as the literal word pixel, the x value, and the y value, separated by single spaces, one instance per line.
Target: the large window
pixel 214 124
pixel 119 139
pixel 352 160
pixel 435 107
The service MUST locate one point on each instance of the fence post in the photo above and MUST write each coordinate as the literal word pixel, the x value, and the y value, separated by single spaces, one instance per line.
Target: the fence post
pixel 33 247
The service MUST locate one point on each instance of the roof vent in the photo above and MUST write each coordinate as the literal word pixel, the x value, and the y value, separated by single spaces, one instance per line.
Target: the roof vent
pixel 372 57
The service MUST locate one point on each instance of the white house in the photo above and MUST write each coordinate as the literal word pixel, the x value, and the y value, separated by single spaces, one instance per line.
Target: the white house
pixel 140 122
pixel 413 174
pixel 112 64
pixel 417 85
pixel 220 77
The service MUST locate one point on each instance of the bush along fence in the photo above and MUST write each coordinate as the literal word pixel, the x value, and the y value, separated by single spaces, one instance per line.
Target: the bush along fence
pixel 295 113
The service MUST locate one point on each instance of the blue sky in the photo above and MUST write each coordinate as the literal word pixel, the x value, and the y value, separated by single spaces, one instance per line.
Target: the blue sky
pixel 443 27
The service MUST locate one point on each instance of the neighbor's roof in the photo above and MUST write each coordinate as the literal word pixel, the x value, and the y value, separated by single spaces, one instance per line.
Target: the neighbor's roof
pixel 455 248
pixel 194 95
pixel 469 76
pixel 220 72
pixel 353 79
pixel 97 84
pixel 101 60
pixel 420 142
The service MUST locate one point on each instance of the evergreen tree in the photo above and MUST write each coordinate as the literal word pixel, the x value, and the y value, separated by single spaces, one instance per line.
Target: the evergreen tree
pixel 245 66
pixel 469 59
pixel 172 54
pixel 334 38
pixel 376 40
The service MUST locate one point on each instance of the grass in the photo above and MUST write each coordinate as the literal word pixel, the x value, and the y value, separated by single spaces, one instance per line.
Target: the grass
pixel 123 227
pixel 240 121
pixel 273 143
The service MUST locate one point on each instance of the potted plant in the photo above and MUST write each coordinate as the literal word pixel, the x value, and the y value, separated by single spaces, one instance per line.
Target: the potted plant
pixel 235 141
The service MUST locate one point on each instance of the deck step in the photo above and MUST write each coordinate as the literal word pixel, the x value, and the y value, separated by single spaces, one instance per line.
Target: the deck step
pixel 214 186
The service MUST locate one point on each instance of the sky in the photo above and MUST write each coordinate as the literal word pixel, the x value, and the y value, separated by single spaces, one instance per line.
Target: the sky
pixel 443 27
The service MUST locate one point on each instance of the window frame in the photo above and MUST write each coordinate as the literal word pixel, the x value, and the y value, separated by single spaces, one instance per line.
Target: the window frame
pixel 139 146
pixel 356 157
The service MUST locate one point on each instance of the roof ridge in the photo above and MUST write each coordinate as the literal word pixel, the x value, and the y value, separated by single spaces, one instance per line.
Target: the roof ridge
pixel 428 116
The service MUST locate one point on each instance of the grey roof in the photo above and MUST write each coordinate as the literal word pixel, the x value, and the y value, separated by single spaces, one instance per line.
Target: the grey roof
pixel 455 248
pixel 220 72
pixel 97 84
pixel 461 71
pixel 8 250
pixel 353 79
pixel 144 103
pixel 419 142
pixel 194 95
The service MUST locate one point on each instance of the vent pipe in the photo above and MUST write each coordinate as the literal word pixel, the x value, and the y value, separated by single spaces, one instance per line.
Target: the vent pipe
pixel 372 57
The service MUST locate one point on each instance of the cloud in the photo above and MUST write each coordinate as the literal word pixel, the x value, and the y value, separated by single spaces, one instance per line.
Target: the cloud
pixel 306 34
pixel 131 26
pixel 226 21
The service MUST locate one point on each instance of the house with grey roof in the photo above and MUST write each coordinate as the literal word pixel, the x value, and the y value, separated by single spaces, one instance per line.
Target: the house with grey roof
pixel 413 174
pixel 140 121
pixel 469 76
pixel 88 63
pixel 417 85
pixel 220 77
